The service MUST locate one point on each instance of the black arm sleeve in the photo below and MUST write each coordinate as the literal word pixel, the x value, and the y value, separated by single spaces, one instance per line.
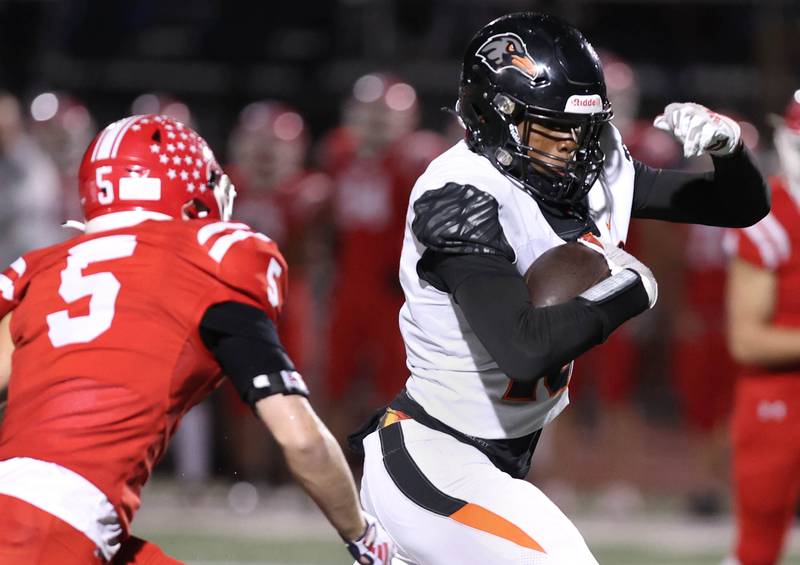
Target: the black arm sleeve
pixel 525 341
pixel 245 343
pixel 734 194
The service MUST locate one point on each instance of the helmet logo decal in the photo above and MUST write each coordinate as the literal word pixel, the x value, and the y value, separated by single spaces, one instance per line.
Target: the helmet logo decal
pixel 584 104
pixel 140 188
pixel 508 51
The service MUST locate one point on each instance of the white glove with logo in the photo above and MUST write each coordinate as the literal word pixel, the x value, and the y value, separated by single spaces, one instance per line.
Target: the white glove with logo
pixel 374 547
pixel 618 260
pixel 699 129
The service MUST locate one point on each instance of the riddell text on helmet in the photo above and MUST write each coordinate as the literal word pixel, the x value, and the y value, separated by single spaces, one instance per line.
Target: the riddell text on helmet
pixel 580 104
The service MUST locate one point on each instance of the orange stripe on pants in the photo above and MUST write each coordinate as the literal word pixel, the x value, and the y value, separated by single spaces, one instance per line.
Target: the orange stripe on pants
pixel 480 518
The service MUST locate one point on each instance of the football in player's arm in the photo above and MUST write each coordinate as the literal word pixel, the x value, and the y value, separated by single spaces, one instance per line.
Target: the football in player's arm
pixel 466 254
pixel 117 333
pixel 541 164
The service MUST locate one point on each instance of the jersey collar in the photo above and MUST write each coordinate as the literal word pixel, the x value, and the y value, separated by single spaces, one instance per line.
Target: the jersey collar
pixel 122 220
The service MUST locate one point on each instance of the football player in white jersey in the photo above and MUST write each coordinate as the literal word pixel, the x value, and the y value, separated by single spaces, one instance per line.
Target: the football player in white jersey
pixel 540 165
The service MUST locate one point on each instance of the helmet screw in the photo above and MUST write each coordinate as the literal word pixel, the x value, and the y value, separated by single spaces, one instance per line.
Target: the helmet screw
pixel 504 104
pixel 503 157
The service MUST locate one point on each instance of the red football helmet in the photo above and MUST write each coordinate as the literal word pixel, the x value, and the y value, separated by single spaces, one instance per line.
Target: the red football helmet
pixel 787 141
pixel 153 163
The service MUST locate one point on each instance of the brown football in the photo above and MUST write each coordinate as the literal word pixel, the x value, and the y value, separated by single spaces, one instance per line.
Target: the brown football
pixel 564 272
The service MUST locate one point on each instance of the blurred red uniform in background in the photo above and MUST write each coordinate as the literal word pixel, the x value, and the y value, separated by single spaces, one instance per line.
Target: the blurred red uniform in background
pixel 764 335
pixel 63 127
pixel 374 159
pixel 277 193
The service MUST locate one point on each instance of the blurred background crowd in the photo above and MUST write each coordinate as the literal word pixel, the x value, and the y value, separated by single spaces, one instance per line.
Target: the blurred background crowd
pixel 324 114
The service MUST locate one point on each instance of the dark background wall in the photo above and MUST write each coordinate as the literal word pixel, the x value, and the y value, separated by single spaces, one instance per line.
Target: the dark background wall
pixel 218 55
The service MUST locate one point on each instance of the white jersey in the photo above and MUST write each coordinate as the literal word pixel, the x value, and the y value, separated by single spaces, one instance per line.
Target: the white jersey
pixel 453 377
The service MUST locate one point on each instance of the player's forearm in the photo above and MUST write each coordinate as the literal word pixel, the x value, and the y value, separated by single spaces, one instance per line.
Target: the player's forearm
pixel 733 195
pixel 321 470
pixel 525 341
pixel 314 459
pixel 765 345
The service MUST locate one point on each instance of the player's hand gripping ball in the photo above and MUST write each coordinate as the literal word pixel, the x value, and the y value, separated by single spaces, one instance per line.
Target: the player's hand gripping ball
pixel 564 272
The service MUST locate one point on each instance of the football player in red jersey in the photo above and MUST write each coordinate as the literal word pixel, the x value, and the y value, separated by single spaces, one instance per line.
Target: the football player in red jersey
pixel 277 194
pixel 374 160
pixel 63 127
pixel 117 333
pixel 764 335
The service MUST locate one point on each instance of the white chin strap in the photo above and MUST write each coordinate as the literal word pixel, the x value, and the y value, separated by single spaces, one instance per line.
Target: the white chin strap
pixel 225 193
pixel 74 225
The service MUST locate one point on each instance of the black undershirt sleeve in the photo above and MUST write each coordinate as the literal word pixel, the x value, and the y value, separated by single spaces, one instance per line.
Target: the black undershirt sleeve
pixel 734 194
pixel 245 343
pixel 525 341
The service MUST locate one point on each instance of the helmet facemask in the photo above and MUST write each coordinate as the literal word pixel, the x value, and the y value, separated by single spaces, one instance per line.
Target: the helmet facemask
pixel 224 193
pixel 554 178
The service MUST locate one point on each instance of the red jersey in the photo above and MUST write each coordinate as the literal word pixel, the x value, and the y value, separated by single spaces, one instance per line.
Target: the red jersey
pixel 653 146
pixel 292 212
pixel 370 200
pixel 774 244
pixel 108 356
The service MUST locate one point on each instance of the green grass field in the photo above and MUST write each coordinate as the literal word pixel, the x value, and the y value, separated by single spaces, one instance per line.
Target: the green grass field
pixel 207 550
pixel 203 527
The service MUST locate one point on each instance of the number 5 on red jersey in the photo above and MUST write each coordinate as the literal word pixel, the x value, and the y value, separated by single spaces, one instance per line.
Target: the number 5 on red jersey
pixel 248 262
pixel 9 284
pixel 244 265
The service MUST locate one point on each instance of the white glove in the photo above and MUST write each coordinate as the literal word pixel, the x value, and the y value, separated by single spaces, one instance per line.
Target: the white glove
pixel 374 547
pixel 699 129
pixel 618 260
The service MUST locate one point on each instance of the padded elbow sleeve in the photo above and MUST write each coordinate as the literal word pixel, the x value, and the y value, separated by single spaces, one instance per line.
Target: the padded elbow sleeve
pixel 245 342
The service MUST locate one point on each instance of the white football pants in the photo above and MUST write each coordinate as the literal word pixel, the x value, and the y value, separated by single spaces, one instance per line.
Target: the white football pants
pixel 443 502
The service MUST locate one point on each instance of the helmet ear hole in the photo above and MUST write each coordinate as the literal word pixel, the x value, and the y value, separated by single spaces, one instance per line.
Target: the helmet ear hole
pixel 195 210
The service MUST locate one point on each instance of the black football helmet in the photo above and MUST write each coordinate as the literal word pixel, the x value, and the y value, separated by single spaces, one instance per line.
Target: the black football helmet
pixel 534 69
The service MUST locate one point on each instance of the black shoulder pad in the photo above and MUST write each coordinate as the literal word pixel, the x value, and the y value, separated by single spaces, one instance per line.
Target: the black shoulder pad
pixel 459 218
